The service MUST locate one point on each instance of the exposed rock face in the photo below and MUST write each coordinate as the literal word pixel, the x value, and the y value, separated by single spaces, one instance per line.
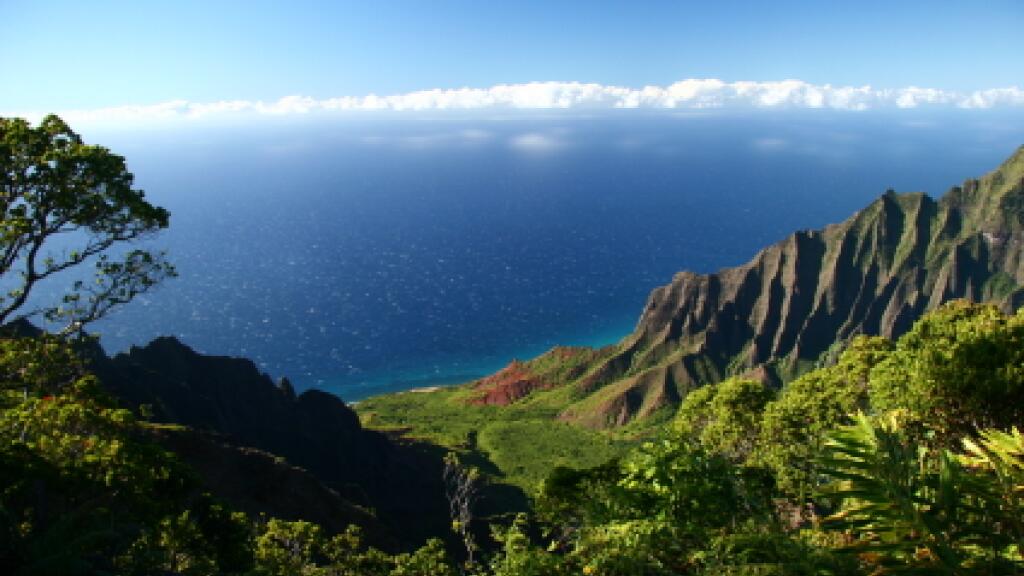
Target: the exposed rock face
pixel 520 379
pixel 314 430
pixel 875 273
pixel 511 383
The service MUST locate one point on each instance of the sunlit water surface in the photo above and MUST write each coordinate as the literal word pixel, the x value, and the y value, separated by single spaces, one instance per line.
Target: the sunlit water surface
pixel 367 254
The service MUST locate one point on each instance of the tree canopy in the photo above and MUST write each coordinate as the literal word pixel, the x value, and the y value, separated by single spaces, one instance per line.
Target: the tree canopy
pixel 65 204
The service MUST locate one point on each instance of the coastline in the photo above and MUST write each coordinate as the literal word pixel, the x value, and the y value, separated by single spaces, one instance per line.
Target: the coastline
pixel 421 382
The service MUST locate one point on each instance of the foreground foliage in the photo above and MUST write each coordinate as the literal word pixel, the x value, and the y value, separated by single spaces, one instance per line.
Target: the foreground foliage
pixel 898 458
pixel 907 509
pixel 83 490
pixel 902 457
pixel 64 205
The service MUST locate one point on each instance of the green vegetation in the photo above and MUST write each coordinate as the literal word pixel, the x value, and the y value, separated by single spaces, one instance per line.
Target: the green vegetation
pixel 290 548
pixel 526 451
pixel 83 489
pixel 900 457
pixel 916 510
pixel 793 426
pixel 56 187
pixel 517 443
pixel 442 416
pixel 724 417
pixel 520 443
pixel 959 369
pixel 904 486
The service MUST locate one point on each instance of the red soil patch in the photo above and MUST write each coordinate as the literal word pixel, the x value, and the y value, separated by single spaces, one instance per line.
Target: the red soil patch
pixel 506 386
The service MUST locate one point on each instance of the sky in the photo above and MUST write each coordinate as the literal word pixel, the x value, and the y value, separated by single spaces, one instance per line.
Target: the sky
pixel 71 55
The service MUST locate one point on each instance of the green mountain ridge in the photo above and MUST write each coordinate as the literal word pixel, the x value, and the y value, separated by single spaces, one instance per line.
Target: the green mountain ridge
pixel 873 274
pixel 776 315
pixel 789 308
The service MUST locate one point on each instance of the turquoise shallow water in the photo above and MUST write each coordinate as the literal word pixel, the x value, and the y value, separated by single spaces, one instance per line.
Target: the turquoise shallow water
pixel 371 254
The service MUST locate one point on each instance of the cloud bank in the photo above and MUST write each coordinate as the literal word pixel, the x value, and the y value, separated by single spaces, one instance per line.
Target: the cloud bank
pixel 685 94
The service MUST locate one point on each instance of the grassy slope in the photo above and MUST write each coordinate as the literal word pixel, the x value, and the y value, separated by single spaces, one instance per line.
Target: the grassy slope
pixel 518 444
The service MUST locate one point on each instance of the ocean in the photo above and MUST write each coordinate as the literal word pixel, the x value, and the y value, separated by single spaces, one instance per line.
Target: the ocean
pixel 370 253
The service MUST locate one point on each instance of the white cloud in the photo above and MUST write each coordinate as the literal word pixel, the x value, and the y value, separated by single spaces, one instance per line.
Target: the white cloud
pixel 993 97
pixel 686 94
pixel 913 97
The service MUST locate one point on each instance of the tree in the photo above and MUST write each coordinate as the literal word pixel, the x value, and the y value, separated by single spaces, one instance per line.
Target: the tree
pixel 41 365
pixel 794 425
pixel 65 204
pixel 958 370
pixel 85 491
pixel 461 487
pixel 658 510
pixel 725 418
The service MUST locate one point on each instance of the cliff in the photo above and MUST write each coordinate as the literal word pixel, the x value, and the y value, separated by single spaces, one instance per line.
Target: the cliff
pixel 786 308
pixel 248 413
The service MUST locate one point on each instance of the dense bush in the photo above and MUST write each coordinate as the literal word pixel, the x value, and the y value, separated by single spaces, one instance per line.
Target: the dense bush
pixel 725 418
pixel 960 368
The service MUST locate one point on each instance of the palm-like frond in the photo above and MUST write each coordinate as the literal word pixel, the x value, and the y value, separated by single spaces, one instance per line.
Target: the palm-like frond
pixel 907 510
pixel 998 457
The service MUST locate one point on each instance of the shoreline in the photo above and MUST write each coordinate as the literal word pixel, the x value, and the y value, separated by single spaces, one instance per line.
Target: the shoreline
pixel 353 392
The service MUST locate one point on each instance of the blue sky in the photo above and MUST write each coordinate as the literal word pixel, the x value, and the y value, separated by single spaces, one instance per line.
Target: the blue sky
pixel 79 55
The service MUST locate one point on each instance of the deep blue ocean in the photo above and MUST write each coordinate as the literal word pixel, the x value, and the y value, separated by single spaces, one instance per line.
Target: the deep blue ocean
pixel 369 253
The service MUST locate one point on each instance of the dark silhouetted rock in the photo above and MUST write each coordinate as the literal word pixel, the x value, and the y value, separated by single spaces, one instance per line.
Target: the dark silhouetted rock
pixel 314 430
